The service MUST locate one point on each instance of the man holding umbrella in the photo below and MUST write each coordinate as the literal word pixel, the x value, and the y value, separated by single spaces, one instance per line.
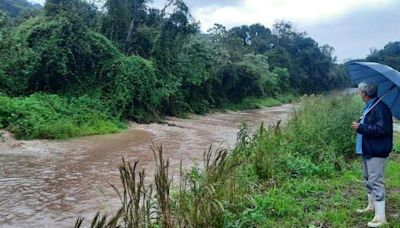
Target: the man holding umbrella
pixel 379 88
pixel 374 143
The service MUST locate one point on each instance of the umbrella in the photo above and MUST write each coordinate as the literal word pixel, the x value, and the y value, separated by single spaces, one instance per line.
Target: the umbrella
pixel 386 78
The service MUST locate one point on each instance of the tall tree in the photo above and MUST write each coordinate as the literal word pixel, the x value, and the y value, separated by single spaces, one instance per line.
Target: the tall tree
pixel 138 14
pixel 389 55
pixel 116 22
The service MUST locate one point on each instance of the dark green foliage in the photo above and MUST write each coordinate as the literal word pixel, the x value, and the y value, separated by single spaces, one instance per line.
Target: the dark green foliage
pixel 122 22
pixel 225 69
pixel 132 90
pixel 144 41
pixel 261 38
pixel 4 24
pixel 175 32
pixel 196 84
pixel 56 55
pixel 59 54
pixel 389 55
pixel 60 51
pixel 311 67
pixel 79 11
pixel 115 24
pixel 250 78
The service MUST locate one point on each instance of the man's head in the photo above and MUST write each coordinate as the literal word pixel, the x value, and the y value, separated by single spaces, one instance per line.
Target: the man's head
pixel 367 90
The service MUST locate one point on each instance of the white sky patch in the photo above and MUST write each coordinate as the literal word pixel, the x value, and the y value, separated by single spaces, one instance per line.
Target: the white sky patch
pixel 37 1
pixel 305 12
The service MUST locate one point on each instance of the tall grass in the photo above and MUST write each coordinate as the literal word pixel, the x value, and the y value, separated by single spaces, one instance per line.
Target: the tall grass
pixel 241 187
pixel 318 139
pixel 397 142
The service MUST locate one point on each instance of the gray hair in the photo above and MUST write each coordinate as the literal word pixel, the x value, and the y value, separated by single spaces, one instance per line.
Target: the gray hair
pixel 369 89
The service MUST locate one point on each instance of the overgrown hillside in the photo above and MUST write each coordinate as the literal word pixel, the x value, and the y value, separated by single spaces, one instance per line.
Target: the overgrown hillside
pixel 135 62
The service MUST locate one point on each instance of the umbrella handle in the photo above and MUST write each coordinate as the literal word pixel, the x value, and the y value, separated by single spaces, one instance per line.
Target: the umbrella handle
pixel 386 93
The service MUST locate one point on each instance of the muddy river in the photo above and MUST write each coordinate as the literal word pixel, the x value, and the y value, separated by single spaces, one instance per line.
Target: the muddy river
pixel 50 183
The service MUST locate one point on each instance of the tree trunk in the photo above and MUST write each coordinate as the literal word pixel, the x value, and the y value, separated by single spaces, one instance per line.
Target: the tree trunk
pixel 131 32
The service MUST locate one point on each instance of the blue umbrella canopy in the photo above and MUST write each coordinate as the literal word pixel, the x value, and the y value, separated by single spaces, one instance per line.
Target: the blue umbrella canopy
pixel 386 78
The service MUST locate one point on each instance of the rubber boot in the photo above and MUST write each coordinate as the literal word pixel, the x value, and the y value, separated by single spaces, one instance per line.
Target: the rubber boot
pixel 370 206
pixel 380 217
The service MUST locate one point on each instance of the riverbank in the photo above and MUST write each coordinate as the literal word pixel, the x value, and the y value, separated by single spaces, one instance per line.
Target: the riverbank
pixel 53 182
pixel 43 116
pixel 256 103
pixel 295 175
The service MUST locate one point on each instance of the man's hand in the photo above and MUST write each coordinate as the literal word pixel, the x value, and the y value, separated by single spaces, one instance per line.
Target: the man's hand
pixel 355 125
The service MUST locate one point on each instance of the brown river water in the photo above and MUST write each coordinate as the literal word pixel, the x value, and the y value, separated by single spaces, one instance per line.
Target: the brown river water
pixel 51 183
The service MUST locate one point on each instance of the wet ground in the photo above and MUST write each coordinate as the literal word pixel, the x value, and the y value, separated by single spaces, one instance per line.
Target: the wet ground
pixel 50 183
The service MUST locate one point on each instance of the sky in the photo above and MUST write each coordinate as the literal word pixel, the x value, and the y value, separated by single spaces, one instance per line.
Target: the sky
pixel 352 27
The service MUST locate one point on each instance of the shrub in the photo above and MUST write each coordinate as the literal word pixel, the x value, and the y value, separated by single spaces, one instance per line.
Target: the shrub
pixel 132 93
pixel 55 117
pixel 56 55
pixel 316 141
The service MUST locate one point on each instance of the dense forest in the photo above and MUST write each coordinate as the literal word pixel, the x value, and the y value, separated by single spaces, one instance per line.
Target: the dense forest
pixel 74 64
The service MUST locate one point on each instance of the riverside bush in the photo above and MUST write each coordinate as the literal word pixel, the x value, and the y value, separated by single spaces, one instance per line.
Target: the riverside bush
pixel 132 93
pixel 316 141
pixel 55 117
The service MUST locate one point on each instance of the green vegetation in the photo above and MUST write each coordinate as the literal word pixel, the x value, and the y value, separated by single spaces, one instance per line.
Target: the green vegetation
pixel 389 55
pixel 140 63
pixel 326 202
pixel 255 103
pixel 55 117
pixel 301 175
pixel 15 8
pixel 397 143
